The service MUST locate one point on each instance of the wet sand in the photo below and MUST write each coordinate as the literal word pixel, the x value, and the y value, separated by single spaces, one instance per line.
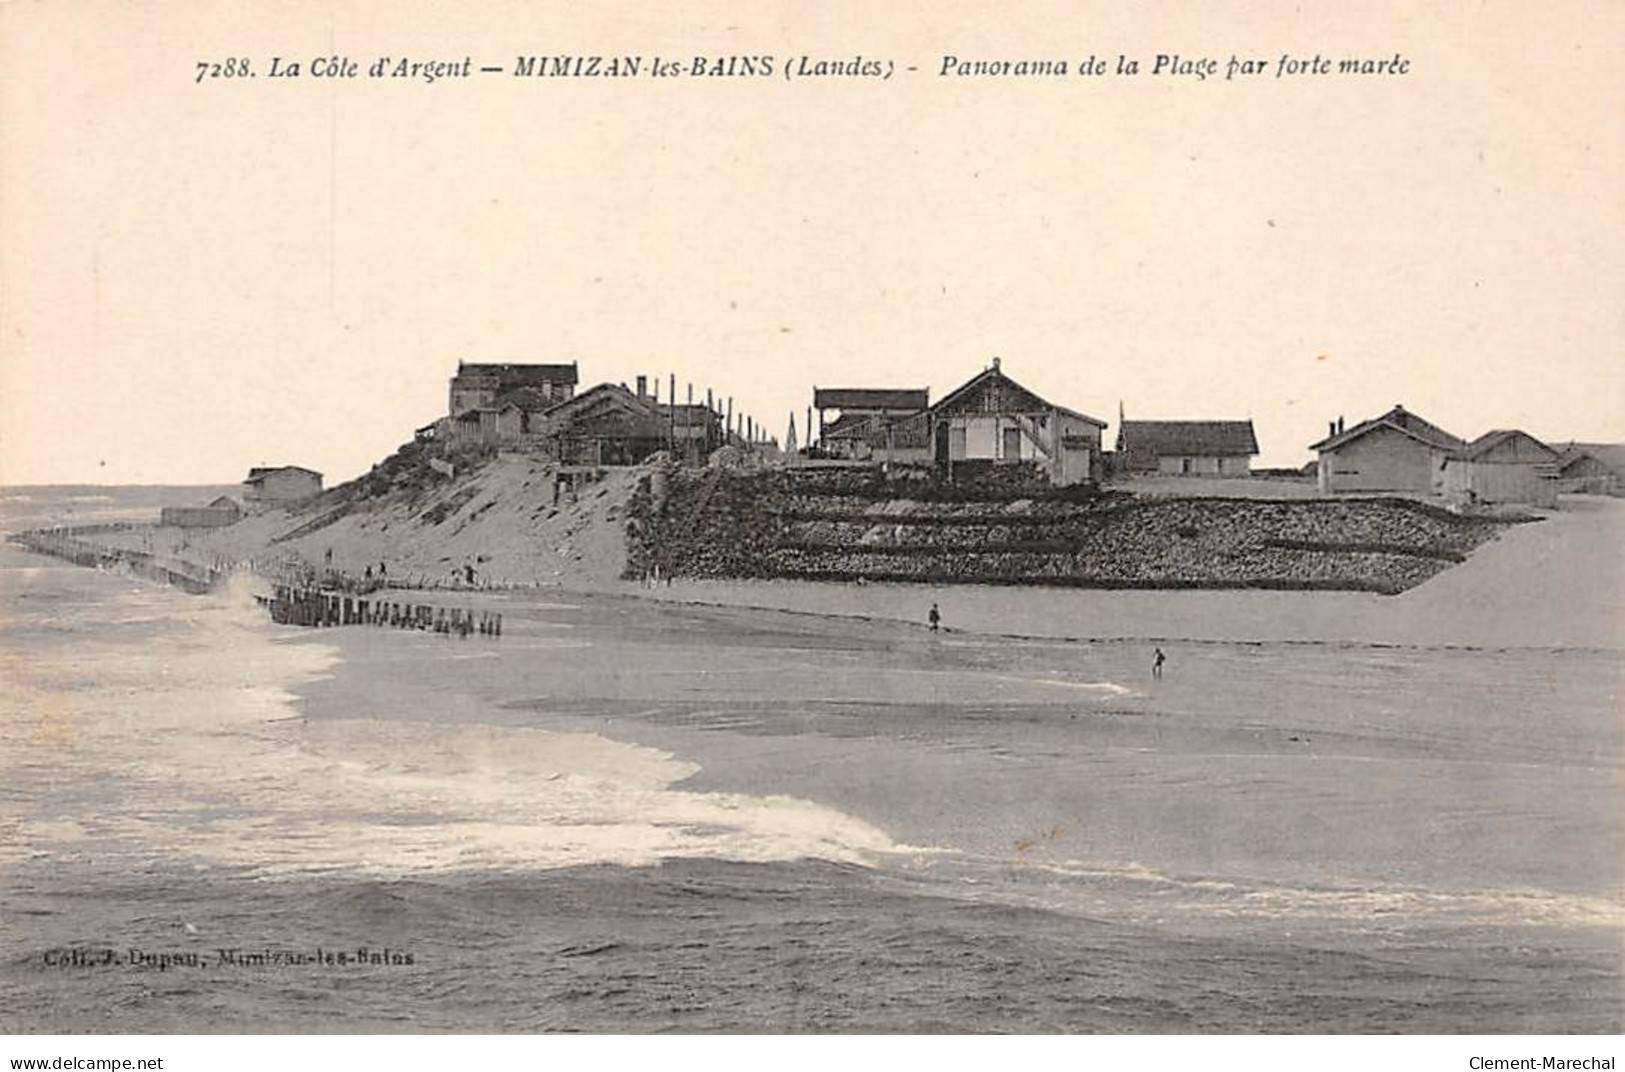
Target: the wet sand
pixel 631 814
pixel 1555 583
pixel 1456 768
pixel 1453 812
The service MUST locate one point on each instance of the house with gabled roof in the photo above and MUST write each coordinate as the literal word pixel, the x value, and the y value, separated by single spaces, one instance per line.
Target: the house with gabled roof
pixel 1505 466
pixel 604 425
pixel 612 425
pixel 1398 451
pixel 992 418
pixel 1186 448
pixel 275 485
pixel 1590 468
pixel 221 511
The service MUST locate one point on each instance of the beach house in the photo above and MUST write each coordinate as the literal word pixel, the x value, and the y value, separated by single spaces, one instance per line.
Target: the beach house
pixel 1506 466
pixel 867 418
pixel 532 387
pixel 879 437
pixel 221 511
pixel 611 425
pixel 499 424
pixel 277 485
pixel 1186 448
pixel 1397 451
pixel 1591 468
pixel 993 419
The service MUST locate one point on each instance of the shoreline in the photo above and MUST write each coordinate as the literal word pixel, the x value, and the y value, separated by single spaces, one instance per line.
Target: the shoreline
pixel 878 723
pixel 1318 827
pixel 1558 585
pixel 896 603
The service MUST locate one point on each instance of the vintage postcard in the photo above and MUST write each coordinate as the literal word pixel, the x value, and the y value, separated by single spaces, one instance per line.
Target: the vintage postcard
pixel 1060 517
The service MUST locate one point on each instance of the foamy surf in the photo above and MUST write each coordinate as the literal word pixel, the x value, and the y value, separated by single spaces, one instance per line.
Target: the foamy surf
pixel 1137 893
pixel 195 747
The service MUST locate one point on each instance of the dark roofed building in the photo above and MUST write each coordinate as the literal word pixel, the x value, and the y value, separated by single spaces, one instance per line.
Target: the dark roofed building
pixel 478 385
pixel 862 413
pixel 1187 448
pixel 881 437
pixel 872 399
pixel 693 430
pixel 528 398
pixel 606 425
pixel 611 425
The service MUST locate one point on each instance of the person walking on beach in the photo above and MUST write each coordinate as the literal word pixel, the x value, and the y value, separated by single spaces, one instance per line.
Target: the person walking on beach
pixel 1157 659
pixel 935 617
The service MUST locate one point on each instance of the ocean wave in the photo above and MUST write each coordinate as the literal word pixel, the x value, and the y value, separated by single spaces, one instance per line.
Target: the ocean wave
pixel 189 744
pixel 1135 891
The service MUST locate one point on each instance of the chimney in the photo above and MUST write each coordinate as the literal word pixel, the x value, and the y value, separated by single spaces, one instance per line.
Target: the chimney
pixel 1331 428
pixel 643 386
pixel 995 362
pixel 1339 425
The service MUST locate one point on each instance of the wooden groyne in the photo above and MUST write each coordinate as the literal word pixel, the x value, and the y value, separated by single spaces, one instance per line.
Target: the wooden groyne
pixel 300 595
pixel 320 607
pixel 73 545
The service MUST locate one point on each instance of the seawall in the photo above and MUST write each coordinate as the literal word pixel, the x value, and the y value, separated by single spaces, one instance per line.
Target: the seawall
pixel 849 525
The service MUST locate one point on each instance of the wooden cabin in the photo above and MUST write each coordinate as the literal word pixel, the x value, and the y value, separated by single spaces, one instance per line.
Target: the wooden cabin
pixel 1397 451
pixel 993 418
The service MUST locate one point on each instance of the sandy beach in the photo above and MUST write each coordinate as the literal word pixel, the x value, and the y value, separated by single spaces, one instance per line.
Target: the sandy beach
pixel 1556 583
pixel 1091 758
pixel 645 810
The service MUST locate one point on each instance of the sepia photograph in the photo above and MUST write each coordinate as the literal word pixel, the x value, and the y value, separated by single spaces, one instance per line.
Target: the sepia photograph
pixel 1061 519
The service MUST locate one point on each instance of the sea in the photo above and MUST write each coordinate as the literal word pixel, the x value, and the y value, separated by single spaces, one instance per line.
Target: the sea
pixel 187 846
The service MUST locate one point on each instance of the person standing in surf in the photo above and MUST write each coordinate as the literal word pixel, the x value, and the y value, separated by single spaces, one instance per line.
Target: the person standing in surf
pixel 1157 659
pixel 935 617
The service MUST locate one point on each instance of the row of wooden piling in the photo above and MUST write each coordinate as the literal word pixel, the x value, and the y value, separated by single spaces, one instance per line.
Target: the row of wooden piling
pixel 67 544
pixel 291 605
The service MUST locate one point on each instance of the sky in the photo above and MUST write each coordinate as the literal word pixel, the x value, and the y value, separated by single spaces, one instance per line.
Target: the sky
pixel 198 278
